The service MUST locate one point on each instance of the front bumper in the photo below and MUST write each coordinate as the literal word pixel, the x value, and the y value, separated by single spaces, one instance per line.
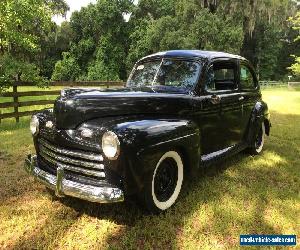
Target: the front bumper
pixel 62 186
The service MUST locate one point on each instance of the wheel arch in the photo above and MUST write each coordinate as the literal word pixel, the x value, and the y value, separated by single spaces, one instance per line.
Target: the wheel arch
pixel 188 167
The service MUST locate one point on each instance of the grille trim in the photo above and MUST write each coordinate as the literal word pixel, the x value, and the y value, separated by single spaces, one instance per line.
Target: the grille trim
pixel 75 169
pixel 65 159
pixel 73 161
pixel 86 156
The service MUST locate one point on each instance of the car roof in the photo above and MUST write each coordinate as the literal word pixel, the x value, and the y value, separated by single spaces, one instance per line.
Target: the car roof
pixel 194 53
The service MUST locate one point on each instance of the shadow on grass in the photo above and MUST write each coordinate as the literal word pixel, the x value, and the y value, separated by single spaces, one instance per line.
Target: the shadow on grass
pixel 224 200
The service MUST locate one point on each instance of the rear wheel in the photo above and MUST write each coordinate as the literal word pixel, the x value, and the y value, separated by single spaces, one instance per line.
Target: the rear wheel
pixel 164 184
pixel 258 141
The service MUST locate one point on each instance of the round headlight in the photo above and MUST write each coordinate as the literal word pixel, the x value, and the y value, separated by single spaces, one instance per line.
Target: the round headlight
pixel 110 145
pixel 34 125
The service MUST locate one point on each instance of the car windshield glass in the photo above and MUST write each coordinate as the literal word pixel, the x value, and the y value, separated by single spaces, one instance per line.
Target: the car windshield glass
pixel 165 72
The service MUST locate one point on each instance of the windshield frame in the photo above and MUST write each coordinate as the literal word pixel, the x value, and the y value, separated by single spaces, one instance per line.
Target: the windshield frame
pixel 168 87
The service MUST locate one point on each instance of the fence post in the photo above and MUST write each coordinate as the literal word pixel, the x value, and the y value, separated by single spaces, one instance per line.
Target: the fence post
pixel 16 101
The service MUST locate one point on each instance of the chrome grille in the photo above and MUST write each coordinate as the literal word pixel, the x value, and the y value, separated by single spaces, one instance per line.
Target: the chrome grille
pixel 87 164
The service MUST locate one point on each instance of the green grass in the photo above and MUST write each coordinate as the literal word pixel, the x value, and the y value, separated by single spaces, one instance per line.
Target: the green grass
pixel 243 195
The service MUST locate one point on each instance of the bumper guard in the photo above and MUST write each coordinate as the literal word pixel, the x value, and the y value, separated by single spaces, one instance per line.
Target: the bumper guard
pixel 63 186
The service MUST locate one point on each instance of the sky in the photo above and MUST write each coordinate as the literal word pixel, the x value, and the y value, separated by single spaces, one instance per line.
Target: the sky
pixel 76 5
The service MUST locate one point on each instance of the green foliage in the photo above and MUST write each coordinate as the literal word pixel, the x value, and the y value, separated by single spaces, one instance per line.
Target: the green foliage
pixel 58 7
pixel 295 67
pixel 153 9
pixel 66 69
pixel 53 44
pixel 108 59
pixel 12 68
pixel 296 24
pixel 99 43
pixel 189 27
pixel 269 44
pixel 23 25
pixel 83 52
pixel 265 32
pixel 19 20
pixel 255 29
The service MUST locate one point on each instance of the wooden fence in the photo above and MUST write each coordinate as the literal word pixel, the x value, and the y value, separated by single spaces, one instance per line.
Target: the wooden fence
pixel 15 94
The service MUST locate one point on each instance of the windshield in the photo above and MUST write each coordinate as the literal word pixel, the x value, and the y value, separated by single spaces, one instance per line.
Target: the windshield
pixel 179 74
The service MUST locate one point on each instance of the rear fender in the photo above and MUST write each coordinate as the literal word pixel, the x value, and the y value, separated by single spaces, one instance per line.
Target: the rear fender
pixel 259 115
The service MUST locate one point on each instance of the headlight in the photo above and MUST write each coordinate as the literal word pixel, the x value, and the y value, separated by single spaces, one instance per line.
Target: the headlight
pixel 34 125
pixel 110 145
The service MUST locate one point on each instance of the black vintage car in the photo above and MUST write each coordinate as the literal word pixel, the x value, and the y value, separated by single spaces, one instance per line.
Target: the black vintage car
pixel 180 110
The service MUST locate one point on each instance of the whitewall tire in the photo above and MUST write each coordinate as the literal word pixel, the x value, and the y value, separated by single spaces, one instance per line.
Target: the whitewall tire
pixel 164 185
pixel 259 141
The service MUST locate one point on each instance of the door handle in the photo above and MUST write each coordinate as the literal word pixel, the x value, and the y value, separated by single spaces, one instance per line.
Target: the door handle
pixel 215 99
pixel 241 98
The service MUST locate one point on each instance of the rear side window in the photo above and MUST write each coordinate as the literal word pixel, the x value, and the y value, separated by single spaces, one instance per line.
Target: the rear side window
pixel 221 77
pixel 247 80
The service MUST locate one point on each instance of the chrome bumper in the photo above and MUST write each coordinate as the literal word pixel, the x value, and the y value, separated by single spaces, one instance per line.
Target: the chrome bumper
pixel 63 186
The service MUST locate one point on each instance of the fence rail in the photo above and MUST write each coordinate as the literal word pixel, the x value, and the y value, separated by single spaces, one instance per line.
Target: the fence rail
pixel 278 83
pixel 15 94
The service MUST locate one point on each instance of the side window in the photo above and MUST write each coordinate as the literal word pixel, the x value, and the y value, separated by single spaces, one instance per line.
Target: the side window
pixel 221 76
pixel 246 78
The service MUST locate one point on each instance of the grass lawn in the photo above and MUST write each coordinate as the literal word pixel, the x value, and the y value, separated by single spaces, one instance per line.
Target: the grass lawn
pixel 243 195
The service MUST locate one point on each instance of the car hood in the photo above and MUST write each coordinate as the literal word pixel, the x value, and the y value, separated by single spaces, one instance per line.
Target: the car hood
pixel 78 105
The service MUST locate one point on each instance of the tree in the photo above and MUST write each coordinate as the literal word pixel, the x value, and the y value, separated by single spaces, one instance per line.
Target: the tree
pixel 23 24
pixel 53 44
pixel 66 69
pixel 295 67
pixel 100 42
pixel 104 46
pixel 108 63
pixel 254 29
pixel 187 26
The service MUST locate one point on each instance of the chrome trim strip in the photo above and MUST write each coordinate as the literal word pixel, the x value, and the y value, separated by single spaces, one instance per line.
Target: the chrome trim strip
pixel 89 156
pixel 215 154
pixel 174 139
pixel 75 169
pixel 63 186
pixel 64 159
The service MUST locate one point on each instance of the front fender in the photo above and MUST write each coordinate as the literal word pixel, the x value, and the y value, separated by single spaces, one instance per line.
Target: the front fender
pixel 143 142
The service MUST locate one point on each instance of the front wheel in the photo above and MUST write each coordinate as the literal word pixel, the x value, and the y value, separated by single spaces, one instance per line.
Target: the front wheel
pixel 164 184
pixel 258 141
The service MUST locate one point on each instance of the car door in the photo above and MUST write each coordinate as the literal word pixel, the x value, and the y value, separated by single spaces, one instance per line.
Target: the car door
pixel 249 90
pixel 220 106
